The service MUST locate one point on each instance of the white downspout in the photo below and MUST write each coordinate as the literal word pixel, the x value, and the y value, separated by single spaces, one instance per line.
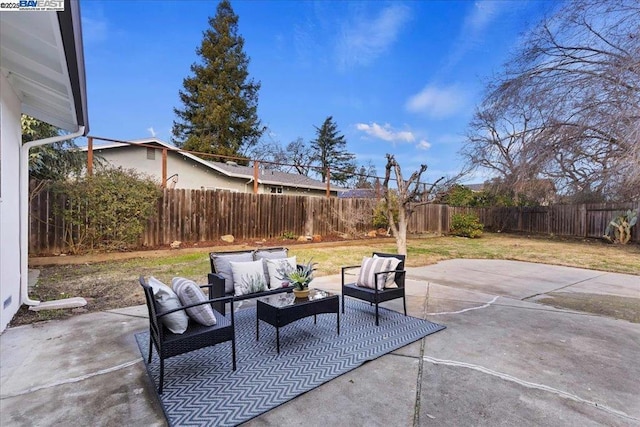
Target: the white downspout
pixel 24 209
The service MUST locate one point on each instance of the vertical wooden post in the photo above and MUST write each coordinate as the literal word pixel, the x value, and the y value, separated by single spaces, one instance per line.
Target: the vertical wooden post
pixel 328 182
pixel 164 168
pixel 90 157
pixel 582 220
pixel 256 172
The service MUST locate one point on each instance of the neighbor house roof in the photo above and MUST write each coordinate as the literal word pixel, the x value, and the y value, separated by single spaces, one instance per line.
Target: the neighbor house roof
pixel 42 56
pixel 361 193
pixel 475 187
pixel 233 170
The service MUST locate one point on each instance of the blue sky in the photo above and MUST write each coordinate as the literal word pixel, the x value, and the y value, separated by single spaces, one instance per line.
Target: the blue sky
pixel 398 77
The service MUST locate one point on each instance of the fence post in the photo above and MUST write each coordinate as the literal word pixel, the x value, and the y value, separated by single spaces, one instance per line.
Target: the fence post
pixel 582 220
pixel 308 223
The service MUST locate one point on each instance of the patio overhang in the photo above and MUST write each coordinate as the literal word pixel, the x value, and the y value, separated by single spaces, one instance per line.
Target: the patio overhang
pixel 42 57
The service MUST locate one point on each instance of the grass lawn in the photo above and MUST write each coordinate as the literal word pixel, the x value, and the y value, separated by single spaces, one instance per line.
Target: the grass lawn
pixel 114 284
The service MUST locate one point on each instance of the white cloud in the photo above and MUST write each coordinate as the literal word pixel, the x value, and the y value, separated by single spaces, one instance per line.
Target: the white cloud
pixel 482 14
pixel 423 145
pixel 95 26
pixel 438 102
pixel 385 132
pixel 476 23
pixel 365 40
pixel 152 131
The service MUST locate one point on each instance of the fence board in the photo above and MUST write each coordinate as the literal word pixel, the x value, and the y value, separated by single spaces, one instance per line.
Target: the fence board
pixel 205 215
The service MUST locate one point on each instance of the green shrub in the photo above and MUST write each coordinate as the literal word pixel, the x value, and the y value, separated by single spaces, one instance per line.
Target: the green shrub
pixel 106 211
pixel 289 235
pixel 466 225
pixel 380 219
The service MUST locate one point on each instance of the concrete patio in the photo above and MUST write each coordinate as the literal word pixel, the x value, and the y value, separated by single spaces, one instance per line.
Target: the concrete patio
pixel 503 360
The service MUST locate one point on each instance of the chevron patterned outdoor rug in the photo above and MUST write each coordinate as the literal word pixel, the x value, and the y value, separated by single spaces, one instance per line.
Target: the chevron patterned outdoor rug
pixel 200 388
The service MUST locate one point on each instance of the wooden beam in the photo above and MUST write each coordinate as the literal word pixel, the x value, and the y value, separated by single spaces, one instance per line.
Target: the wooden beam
pixel 256 173
pixel 164 168
pixel 90 157
pixel 328 182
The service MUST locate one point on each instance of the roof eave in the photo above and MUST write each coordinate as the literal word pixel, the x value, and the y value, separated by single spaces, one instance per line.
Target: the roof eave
pixel 71 32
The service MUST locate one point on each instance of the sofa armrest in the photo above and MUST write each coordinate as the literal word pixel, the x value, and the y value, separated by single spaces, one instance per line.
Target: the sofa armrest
pixel 184 307
pixel 217 290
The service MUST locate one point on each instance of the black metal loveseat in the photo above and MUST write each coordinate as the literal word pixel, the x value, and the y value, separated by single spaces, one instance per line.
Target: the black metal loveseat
pixel 219 280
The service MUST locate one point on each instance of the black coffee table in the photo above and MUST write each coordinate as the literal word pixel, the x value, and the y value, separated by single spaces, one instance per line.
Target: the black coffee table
pixel 282 309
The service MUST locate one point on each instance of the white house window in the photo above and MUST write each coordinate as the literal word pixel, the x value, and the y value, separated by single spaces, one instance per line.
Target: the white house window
pixel 151 153
pixel 276 190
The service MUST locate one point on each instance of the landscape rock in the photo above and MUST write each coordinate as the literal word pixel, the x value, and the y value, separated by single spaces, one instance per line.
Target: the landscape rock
pixel 175 244
pixel 372 233
pixel 228 238
pixel 316 238
pixel 383 232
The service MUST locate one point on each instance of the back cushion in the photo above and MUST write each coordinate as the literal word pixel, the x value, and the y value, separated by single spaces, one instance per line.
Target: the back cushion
pixel 262 254
pixel 223 268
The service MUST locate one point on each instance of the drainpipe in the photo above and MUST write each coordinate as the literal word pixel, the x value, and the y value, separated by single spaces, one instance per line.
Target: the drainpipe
pixel 24 209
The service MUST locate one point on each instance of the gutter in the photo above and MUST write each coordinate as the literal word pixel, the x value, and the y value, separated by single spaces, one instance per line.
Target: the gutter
pixel 24 209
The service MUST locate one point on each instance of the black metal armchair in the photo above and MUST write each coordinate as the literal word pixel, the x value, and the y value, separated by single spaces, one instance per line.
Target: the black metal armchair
pixel 196 336
pixel 375 295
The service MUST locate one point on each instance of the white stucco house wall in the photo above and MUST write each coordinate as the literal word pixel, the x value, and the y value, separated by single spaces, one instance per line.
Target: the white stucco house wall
pixel 187 171
pixel 41 74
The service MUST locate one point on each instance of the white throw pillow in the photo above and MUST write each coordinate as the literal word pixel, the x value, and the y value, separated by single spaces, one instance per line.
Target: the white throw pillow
pixel 190 293
pixel 248 277
pixel 264 255
pixel 167 300
pixel 273 265
pixel 368 270
pixel 391 277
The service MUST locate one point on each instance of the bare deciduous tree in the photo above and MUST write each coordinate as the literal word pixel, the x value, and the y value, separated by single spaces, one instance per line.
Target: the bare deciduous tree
pixel 577 80
pixel 411 193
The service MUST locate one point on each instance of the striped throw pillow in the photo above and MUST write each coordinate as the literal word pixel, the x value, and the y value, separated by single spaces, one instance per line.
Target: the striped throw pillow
pixel 368 272
pixel 190 293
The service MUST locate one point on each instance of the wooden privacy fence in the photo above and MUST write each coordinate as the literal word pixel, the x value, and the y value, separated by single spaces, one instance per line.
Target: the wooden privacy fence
pixel 205 215
pixel 584 220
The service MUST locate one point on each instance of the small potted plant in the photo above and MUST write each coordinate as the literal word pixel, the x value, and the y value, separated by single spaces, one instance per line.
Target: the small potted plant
pixel 300 278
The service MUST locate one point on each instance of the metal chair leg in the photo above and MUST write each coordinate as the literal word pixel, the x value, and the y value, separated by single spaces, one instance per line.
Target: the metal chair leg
pixel 161 375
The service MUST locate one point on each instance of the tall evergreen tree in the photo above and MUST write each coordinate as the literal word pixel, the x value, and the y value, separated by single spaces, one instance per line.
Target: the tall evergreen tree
pixel 220 100
pixel 329 151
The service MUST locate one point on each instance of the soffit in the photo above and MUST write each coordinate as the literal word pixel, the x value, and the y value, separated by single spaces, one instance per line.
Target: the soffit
pixel 32 58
